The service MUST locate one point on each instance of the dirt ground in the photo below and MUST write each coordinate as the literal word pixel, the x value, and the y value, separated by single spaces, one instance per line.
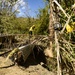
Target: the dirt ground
pixel 30 68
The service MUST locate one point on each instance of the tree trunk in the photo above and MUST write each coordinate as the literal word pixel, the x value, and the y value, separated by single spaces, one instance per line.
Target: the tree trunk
pixel 51 29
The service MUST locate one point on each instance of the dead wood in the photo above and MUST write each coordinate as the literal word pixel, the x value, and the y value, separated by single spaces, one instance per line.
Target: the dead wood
pixel 67 22
pixel 61 8
pixel 26 50
pixel 57 48
pixel 3 53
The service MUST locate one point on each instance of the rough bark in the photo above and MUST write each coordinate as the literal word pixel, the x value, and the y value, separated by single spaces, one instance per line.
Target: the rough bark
pixel 51 29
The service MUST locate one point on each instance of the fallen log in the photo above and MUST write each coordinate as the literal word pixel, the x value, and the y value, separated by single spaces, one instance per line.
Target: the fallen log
pixel 26 50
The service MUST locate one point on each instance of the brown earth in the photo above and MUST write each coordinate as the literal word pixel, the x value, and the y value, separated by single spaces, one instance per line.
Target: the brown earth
pixel 30 68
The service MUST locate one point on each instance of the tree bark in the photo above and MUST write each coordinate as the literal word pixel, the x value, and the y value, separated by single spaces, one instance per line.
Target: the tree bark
pixel 51 29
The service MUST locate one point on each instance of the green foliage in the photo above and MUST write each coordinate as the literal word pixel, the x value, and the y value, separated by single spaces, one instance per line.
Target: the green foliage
pixel 12 24
pixel 43 21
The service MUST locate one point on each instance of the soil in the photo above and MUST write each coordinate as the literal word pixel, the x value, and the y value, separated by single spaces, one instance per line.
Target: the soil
pixel 31 67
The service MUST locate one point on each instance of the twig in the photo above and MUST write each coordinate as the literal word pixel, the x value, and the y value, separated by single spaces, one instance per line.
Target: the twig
pixel 58 54
pixel 61 8
pixel 68 43
pixel 11 53
pixel 66 51
pixel 5 52
pixel 65 25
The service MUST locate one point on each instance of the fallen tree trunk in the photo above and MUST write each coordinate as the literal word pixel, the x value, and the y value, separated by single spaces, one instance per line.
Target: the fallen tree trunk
pixel 25 50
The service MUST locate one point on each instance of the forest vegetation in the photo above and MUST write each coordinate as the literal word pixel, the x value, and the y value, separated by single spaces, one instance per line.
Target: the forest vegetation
pixel 55 11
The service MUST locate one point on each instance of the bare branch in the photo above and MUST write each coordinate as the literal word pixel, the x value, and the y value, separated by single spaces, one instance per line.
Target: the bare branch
pixel 58 54
pixel 65 25
pixel 61 8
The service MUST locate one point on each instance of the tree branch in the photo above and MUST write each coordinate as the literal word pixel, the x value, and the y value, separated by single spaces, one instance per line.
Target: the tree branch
pixel 61 8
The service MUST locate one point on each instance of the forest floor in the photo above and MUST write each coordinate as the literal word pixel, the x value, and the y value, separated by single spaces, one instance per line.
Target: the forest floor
pixel 30 68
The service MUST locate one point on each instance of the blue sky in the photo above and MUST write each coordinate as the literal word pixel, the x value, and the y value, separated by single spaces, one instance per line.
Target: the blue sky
pixel 34 6
pixel 29 7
